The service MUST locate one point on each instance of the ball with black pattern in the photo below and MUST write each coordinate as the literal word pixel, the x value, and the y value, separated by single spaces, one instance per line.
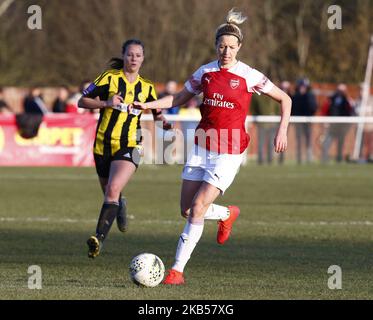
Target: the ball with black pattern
pixel 147 270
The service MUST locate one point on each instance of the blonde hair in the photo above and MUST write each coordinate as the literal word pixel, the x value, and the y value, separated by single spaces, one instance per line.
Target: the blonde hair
pixel 233 19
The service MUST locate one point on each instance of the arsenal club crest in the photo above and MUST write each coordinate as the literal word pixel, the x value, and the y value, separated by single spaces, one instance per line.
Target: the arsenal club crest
pixel 234 83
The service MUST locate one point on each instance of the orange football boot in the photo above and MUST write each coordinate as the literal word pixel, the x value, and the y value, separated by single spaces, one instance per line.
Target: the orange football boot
pixel 174 277
pixel 225 227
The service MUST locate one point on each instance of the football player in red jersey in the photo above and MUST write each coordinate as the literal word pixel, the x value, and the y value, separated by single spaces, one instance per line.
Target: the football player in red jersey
pixel 227 85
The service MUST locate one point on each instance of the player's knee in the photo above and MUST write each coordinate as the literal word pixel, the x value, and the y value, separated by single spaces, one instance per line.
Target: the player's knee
pixel 112 192
pixel 185 212
pixel 197 210
pixel 184 208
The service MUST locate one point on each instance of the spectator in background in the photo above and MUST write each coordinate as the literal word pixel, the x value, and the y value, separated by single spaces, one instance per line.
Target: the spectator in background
pixel 166 137
pixel 72 101
pixel 59 105
pixel 171 88
pixel 286 87
pixel 4 107
pixel 266 131
pixel 34 104
pixel 304 104
pixel 34 109
pixel 338 105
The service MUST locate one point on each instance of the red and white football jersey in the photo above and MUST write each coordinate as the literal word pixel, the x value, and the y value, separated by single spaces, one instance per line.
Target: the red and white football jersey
pixel 226 99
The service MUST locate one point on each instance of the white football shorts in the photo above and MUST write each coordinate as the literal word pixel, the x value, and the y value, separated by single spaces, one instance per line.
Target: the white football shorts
pixel 212 167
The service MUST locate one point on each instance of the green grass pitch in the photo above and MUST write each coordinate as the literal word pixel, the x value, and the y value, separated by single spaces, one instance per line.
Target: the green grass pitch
pixel 295 222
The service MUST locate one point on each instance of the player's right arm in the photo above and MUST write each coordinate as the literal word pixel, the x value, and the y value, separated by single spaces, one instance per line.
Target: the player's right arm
pixel 99 88
pixel 166 102
pixel 91 103
pixel 192 87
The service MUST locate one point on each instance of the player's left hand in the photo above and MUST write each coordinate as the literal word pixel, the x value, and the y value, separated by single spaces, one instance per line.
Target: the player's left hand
pixel 138 105
pixel 280 142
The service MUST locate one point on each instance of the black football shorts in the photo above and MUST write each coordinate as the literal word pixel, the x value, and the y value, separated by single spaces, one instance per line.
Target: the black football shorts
pixel 103 162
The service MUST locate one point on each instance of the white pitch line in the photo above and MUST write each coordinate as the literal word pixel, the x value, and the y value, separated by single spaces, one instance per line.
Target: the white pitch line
pixel 314 223
pixel 47 177
pixel 90 177
pixel 180 221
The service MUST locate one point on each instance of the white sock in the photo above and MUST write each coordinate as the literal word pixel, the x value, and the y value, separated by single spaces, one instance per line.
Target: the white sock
pixel 187 242
pixel 216 212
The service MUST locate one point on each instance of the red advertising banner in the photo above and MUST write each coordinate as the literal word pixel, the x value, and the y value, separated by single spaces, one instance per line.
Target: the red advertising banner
pixel 62 140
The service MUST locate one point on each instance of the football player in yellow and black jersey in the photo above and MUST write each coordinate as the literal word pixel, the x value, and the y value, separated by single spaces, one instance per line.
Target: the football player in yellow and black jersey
pixel 117 145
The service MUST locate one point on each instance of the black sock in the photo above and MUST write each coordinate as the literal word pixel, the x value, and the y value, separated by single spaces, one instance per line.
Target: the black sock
pixel 120 200
pixel 107 216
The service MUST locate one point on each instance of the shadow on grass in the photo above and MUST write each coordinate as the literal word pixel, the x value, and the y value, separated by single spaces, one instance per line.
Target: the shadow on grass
pixel 69 248
pixel 247 267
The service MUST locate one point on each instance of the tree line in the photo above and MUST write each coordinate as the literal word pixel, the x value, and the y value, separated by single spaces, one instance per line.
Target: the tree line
pixel 284 39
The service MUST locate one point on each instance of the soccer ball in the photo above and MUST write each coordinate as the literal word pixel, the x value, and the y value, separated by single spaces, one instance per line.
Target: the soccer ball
pixel 147 270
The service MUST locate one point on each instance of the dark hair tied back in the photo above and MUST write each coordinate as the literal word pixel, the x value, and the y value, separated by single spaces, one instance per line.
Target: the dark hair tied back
pixel 118 63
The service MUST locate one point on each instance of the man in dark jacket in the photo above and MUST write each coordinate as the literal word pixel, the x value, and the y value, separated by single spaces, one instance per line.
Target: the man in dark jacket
pixel 304 104
pixel 28 122
pixel 34 104
pixel 338 105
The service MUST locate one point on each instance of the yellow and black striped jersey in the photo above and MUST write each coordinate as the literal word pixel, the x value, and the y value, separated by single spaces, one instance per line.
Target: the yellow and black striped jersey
pixel 117 129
